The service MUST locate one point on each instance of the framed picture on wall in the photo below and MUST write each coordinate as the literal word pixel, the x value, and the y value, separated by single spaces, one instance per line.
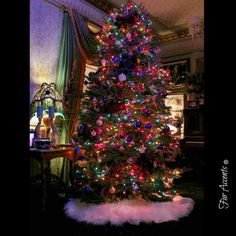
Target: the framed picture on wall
pixel 192 104
pixel 179 69
pixel 175 102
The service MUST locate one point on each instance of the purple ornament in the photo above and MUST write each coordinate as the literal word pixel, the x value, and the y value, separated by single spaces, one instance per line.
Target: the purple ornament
pixel 148 125
pixel 136 187
pixel 104 98
pixel 140 48
pixel 129 139
pixel 111 36
pixel 115 59
pixel 87 189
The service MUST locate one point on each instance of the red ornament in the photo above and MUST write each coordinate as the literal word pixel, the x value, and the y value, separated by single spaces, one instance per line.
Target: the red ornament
pixel 171 159
pixel 120 85
pixel 99 131
pixel 122 134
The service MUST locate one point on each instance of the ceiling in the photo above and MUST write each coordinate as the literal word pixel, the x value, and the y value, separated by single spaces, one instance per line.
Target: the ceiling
pixel 171 16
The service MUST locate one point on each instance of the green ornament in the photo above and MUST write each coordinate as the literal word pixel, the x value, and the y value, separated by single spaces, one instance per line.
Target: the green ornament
pixel 126 100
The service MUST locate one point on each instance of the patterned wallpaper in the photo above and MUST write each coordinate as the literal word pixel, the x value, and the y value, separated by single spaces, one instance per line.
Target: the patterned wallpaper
pixel 45 33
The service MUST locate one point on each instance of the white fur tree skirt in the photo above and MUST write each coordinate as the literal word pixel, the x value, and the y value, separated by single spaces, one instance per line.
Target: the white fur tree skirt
pixel 129 211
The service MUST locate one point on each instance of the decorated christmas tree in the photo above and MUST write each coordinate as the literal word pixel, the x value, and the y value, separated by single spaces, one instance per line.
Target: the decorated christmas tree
pixel 124 142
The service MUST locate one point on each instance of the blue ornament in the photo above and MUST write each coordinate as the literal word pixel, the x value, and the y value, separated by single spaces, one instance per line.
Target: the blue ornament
pixel 160 147
pixel 82 128
pixel 140 48
pixel 150 49
pixel 129 139
pixel 87 189
pixel 137 123
pixel 82 158
pixel 77 149
pixel 115 59
pixel 148 125
pixel 104 98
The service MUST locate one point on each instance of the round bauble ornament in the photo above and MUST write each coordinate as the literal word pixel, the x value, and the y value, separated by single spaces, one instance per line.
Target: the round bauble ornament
pixel 121 149
pixel 150 49
pixel 136 187
pixel 82 162
pixel 111 36
pixel 99 122
pixel 142 149
pixel 122 134
pixel 140 48
pixel 77 149
pixel 115 59
pixel 113 144
pixel 126 100
pixel 117 42
pixel 122 77
pixel 137 123
pixel 112 190
pixel 93 133
pixel 120 85
pixel 128 35
pixel 131 160
pixel 87 189
pixel 99 131
pixel 95 100
pixel 129 139
pixel 132 142
pixel 104 98
pixel 148 125
pixel 104 62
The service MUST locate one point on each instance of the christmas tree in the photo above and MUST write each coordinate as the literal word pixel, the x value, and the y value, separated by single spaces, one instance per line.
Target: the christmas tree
pixel 124 144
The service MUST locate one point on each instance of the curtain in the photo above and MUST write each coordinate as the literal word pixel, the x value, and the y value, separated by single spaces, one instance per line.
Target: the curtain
pixel 77 47
pixel 86 45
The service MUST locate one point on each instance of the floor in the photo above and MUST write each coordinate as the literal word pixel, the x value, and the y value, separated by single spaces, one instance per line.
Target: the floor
pixel 53 221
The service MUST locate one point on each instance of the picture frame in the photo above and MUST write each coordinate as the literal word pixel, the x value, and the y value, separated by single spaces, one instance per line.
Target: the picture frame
pixel 175 101
pixel 193 104
pixel 179 69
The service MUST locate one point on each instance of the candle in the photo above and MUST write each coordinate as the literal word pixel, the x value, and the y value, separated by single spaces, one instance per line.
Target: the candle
pixel 51 111
pixel 39 111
